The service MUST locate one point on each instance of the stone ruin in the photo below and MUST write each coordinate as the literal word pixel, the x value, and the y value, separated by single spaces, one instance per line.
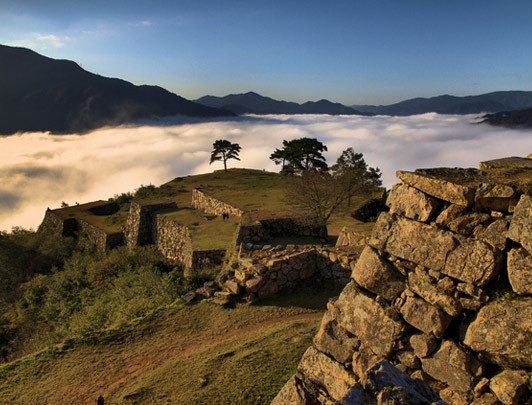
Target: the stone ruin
pixel 438 308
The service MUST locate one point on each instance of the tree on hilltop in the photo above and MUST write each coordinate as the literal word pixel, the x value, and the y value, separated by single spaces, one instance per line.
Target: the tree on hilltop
pixel 300 154
pixel 223 150
pixel 352 169
pixel 322 192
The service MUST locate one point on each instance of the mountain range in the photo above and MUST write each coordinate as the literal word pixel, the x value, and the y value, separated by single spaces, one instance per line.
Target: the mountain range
pixel 43 94
pixel 253 103
pixel 485 103
pixel 38 93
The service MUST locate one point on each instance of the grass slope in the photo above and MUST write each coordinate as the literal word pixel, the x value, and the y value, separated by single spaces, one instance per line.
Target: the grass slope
pixel 199 354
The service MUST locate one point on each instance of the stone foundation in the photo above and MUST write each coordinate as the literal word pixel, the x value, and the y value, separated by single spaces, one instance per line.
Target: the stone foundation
pixel 428 296
pixel 262 231
pixel 140 222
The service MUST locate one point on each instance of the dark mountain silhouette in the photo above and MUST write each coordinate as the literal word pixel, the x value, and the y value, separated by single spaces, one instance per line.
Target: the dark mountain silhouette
pixel 43 94
pixel 510 119
pixel 491 102
pixel 253 103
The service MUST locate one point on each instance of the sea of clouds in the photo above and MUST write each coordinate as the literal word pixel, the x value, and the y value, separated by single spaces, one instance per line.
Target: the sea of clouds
pixel 39 170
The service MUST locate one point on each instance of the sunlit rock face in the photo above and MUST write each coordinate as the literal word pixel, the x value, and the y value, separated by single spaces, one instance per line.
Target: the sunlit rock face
pixel 442 294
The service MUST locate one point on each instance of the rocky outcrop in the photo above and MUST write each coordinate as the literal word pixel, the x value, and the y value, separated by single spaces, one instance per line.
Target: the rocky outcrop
pixel 419 299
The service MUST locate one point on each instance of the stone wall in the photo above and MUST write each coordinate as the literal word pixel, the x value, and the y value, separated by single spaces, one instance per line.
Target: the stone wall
pixel 263 271
pixel 207 258
pixel 55 223
pixel 263 230
pixel 140 222
pixel 442 294
pixel 90 234
pixel 174 242
pixel 210 205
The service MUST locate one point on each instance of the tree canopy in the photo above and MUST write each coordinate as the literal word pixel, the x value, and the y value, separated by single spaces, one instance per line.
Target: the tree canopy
pixel 300 154
pixel 322 192
pixel 223 150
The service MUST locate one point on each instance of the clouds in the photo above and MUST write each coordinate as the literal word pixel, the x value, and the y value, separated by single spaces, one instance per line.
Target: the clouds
pixel 39 170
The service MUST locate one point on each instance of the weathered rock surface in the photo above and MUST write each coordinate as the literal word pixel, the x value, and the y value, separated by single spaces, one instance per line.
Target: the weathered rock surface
pixel 423 344
pixel 412 240
pixel 293 393
pixel 420 282
pixel 494 233
pixel 411 203
pixel 468 260
pixel 502 333
pixel 449 214
pixel 495 197
pixel 521 225
pixel 333 340
pixel 363 317
pixel 452 365
pixel 383 375
pixel 444 190
pixel 425 317
pixel 327 373
pixel 473 261
pixel 377 275
pixel 509 386
pixel 520 271
pixel 465 224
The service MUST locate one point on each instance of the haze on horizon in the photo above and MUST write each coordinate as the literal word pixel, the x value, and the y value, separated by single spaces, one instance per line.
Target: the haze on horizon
pixel 39 170
pixel 353 52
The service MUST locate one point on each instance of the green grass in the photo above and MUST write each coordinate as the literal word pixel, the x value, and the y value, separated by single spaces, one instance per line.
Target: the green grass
pixel 197 354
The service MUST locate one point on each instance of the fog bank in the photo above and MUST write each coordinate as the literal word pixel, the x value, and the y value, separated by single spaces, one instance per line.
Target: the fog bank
pixel 39 170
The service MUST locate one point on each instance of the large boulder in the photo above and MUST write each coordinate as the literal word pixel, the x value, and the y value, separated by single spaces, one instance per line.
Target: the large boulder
pixel 510 385
pixel 411 203
pixel 377 275
pixel 334 340
pixel 521 225
pixel 495 197
pixel 411 240
pixel 520 271
pixel 392 386
pixel 442 189
pixel 502 333
pixel 452 365
pixel 370 321
pixel 420 282
pixel 320 369
pixel 472 261
pixel 425 317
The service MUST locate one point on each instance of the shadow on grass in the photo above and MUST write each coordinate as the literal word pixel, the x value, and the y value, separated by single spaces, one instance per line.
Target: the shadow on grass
pixel 308 294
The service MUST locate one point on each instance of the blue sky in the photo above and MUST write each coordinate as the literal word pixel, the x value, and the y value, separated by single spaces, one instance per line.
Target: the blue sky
pixel 354 52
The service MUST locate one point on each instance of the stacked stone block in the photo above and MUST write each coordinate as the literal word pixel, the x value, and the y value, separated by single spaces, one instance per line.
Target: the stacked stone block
pixel 425 298
pixel 210 205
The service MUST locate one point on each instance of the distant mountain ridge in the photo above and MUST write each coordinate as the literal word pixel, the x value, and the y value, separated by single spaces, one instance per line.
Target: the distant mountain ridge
pixel 484 103
pixel 253 103
pixel 510 119
pixel 38 93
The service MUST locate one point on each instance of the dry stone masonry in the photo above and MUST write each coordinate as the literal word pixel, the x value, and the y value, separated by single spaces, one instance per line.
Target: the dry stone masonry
pixel 210 205
pixel 439 304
